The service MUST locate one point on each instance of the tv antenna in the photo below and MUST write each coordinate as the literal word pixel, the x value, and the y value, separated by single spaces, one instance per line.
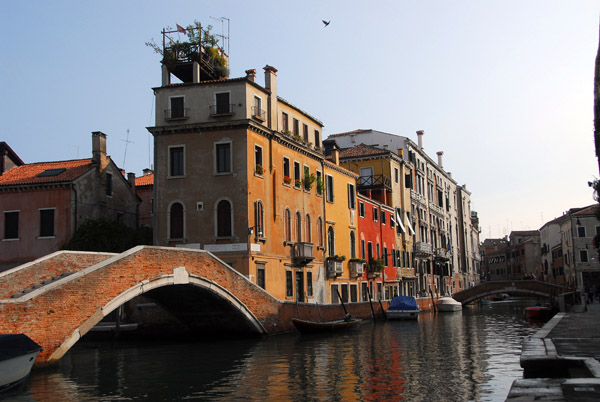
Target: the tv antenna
pixel 222 36
pixel 126 143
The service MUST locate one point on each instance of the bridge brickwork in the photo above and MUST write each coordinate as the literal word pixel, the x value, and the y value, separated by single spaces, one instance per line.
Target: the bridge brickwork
pixel 58 313
pixel 485 289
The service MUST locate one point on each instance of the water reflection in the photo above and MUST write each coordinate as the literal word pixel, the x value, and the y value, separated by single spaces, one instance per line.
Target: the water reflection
pixel 469 355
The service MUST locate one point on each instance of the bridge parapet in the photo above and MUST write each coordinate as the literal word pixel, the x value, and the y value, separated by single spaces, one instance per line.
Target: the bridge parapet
pixel 484 289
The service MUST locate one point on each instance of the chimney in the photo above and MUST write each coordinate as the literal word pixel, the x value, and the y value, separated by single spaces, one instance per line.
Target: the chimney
pixel 147 171
pixel 251 75
pixel 401 153
pixel 420 138
pixel 440 154
pixel 131 179
pixel 99 149
pixel 271 85
pixel 336 156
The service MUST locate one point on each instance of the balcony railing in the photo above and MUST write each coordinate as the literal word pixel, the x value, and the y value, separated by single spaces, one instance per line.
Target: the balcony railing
pixel 221 110
pixel 335 267
pixel 375 182
pixel 303 253
pixel 418 197
pixel 422 248
pixel 177 114
pixel 356 267
pixel 442 254
pixel 258 113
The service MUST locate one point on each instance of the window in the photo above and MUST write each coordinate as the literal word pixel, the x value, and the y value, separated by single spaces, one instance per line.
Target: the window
pixel 317 139
pixel 289 287
pixel 580 231
pixel 177 110
pixel 11 225
pixel 176 221
pixel 306 178
pixel 385 256
pixel 176 161
pixel 109 184
pixel 308 234
pixel 260 275
pixel 224 219
pixel 329 188
pixel 47 222
pixel 361 209
pixel 319 183
pixel 259 218
pixel 258 160
pixel 370 251
pixel 300 286
pixel 396 175
pixel 286 170
pixel 353 293
pixel 285 122
pixel 375 214
pixel 223 157
pixel 287 218
pixel 352 244
pixel 364 290
pixel 296 128
pixel 344 288
pixel 351 196
pixel 257 109
pixel 583 255
pixel 309 284
pixel 383 218
pixel 298 226
pixel 335 299
pixel 297 179
pixel 377 248
pixel 320 232
pixel 330 241
pixel 222 104
pixel 362 249
pixel 305 132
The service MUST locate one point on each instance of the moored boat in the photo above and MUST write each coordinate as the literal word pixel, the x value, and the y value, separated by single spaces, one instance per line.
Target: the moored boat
pixel 311 327
pixel 537 312
pixel 447 304
pixel 403 308
pixel 17 355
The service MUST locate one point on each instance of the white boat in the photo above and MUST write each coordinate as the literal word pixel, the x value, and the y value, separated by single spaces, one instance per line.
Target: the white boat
pixel 403 308
pixel 17 355
pixel 447 304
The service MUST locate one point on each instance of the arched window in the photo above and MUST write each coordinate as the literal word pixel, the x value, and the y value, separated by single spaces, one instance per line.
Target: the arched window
pixel 224 219
pixel 352 244
pixel 320 232
pixel 259 219
pixel 176 221
pixel 298 225
pixel 308 234
pixel 330 241
pixel 287 222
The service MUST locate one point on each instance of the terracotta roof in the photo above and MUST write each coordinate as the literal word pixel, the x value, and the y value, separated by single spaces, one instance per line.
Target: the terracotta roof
pixel 145 180
pixel 362 150
pixel 46 172
pixel 589 210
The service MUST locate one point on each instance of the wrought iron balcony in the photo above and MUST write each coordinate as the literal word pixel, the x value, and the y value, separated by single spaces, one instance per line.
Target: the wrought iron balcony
pixel 303 253
pixel 375 182
pixel 259 114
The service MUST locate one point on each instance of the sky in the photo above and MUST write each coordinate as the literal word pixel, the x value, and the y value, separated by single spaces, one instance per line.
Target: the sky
pixel 503 87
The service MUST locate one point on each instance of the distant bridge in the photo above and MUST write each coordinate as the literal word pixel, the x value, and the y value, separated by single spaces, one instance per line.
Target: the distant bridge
pixel 530 287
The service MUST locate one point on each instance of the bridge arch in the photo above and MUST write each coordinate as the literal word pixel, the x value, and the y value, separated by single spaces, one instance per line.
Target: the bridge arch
pixel 180 276
pixel 531 287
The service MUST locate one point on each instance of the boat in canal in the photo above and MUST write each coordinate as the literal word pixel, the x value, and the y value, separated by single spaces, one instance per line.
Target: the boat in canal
pixel 537 312
pixel 447 304
pixel 312 327
pixel 17 355
pixel 403 308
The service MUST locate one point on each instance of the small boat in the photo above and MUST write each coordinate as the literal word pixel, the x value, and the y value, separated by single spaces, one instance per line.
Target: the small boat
pixel 537 312
pixel 311 327
pixel 447 304
pixel 17 355
pixel 403 308
pixel 501 297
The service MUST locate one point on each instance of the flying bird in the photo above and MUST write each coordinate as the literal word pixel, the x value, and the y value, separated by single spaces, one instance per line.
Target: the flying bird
pixel 326 22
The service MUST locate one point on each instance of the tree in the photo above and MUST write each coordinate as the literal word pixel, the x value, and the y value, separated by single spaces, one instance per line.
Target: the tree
pixel 108 236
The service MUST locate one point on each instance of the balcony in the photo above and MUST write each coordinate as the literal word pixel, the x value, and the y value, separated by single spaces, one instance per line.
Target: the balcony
pixel 375 182
pixel 418 197
pixel 374 268
pixel 423 249
pixel 302 253
pixel 437 209
pixel 221 110
pixel 177 114
pixel 335 266
pixel 259 114
pixel 441 254
pixel 356 267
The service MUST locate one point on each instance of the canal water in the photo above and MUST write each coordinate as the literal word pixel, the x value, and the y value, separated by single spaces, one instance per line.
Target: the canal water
pixel 472 355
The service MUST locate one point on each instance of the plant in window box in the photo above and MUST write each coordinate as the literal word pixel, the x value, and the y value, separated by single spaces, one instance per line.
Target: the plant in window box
pixel 320 186
pixel 375 266
pixel 259 169
pixel 287 179
pixel 309 179
pixel 337 258
pixel 297 183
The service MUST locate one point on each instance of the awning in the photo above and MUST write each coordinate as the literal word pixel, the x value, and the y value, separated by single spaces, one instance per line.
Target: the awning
pixel 411 231
pixel 399 221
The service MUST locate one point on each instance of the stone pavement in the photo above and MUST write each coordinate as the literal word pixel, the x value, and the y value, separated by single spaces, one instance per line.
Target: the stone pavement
pixel 561 361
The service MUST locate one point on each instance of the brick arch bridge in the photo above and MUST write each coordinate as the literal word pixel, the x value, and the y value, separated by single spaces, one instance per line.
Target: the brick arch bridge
pixel 58 299
pixel 531 287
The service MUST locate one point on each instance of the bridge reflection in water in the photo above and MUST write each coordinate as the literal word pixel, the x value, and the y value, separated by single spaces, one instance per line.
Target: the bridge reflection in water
pixel 469 355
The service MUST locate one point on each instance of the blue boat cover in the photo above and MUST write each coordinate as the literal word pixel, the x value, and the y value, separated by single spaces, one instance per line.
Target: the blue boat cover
pixel 403 303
